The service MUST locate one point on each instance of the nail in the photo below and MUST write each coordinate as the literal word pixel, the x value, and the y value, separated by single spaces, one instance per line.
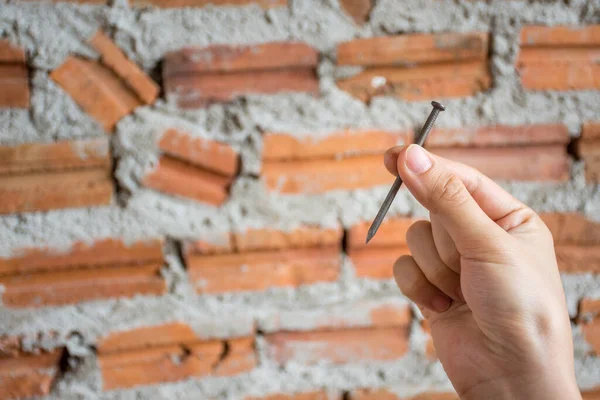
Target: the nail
pixel 417 159
pixel 441 303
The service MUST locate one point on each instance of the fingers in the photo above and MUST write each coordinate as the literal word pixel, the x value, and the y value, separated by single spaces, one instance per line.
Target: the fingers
pixel 422 247
pixel 414 285
pixel 439 189
pixel 390 159
pixel 445 245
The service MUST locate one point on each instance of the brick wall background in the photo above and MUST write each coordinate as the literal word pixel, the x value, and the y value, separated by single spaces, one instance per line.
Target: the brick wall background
pixel 185 192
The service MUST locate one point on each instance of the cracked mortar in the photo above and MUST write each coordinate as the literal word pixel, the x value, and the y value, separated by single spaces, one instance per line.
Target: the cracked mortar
pixel 50 32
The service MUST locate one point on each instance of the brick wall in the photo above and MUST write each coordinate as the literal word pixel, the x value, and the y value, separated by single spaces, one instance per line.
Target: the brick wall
pixel 185 186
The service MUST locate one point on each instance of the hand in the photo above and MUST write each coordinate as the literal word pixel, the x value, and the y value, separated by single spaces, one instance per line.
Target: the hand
pixel 484 275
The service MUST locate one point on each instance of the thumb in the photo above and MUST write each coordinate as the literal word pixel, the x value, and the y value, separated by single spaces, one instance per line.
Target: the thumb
pixel 444 194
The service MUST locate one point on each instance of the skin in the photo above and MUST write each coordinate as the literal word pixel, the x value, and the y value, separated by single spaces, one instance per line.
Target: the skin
pixel 484 275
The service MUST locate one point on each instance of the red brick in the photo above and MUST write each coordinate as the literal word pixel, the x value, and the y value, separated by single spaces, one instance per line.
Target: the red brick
pixel 266 4
pixel 205 153
pixel 262 270
pixel 546 55
pixel 10 346
pixel 589 150
pixel 145 337
pixel 48 191
pixel 384 394
pixel 377 263
pixel 319 395
pixel 391 233
pixel 560 36
pixel 302 237
pixel 224 58
pixel 97 90
pixel 592 170
pixel 591 332
pixel 10 53
pixel 279 146
pixel 572 229
pixel 28 376
pixel 406 50
pixel 206 88
pixel 555 76
pixel 70 287
pixel 14 86
pixel 589 308
pixel 499 136
pixel 358 9
pixel 446 80
pixel 112 57
pixel 65 155
pixel 578 259
pixel 100 253
pixel 321 175
pixel 339 347
pixel 593 394
pixel 240 357
pixel 214 243
pixel 177 178
pixel 534 163
pixel 591 131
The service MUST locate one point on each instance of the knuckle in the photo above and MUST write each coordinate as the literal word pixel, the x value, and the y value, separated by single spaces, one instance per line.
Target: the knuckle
pixel 407 276
pixel 448 189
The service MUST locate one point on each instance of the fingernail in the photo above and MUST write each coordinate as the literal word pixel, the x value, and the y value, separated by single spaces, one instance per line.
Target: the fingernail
pixel 459 294
pixel 417 159
pixel 441 303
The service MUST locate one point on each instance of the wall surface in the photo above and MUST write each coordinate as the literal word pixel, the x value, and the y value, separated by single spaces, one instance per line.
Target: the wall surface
pixel 185 186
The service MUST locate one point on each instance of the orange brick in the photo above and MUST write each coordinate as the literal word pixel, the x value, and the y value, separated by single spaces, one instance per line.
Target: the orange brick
pixel 547 55
pixel 377 263
pixel 208 154
pixel 10 346
pixel 559 36
pixel 240 357
pixel 112 57
pixel 35 157
pixel 14 86
pixel 589 150
pixel 70 287
pixel 302 237
pixel 217 243
pixel 339 347
pixel 420 83
pixel 96 89
pixel 593 394
pixel 391 233
pixel 359 10
pixel 145 337
pixel 591 131
pixel 262 270
pixel 589 308
pixel 406 50
pixel 100 253
pixel 383 394
pixel 279 146
pixel 592 170
pixel 578 259
pixel 535 163
pixel 11 54
pixel 556 76
pixel 224 58
pixel 389 315
pixel 203 89
pixel 591 332
pixel 28 376
pixel 318 176
pixel 43 192
pixel 319 395
pixel 499 136
pixel 266 4
pixel 177 178
pixel 572 228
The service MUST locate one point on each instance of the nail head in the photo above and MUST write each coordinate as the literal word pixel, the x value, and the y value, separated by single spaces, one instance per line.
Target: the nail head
pixel 437 105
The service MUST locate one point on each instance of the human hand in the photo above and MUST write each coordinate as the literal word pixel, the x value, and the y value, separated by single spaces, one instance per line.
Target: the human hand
pixel 484 275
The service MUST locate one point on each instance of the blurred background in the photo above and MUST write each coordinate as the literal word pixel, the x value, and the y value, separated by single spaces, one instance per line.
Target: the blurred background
pixel 186 186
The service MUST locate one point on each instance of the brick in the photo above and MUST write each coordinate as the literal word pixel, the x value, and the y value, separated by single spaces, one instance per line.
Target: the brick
pixel 559 36
pixel 96 89
pixel 589 309
pixel 555 76
pixel 545 55
pixel 424 82
pixel 112 57
pixel 28 376
pixel 318 176
pixel 407 50
pixel 70 287
pixel 215 243
pixel 49 191
pixel 240 357
pixel 302 237
pixel 99 253
pixel 589 150
pixel 591 333
pixel 578 259
pixel 10 346
pixel 534 163
pixel 146 337
pixel 592 171
pixel 266 4
pixel 279 146
pixel 384 394
pixel 204 89
pixel 591 131
pixel 338 347
pixel 318 395
pixel 180 179
pixel 359 10
pixel 391 233
pixel 262 270
pixel 65 155
pixel 10 53
pixel 593 394
pixel 377 263
pixel 572 229
pixel 224 58
pixel 500 136
pixel 208 154
pixel 14 86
